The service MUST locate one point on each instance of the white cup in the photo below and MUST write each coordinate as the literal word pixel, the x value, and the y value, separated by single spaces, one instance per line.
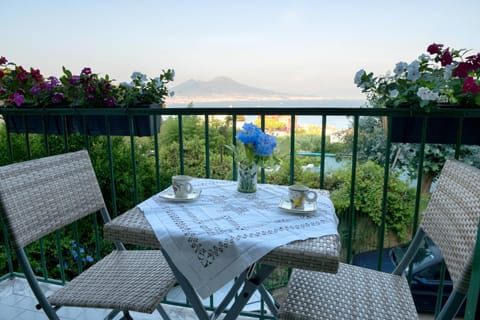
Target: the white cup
pixel 299 195
pixel 181 186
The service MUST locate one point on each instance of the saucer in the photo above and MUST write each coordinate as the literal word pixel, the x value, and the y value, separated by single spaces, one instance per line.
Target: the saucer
pixel 308 207
pixel 170 196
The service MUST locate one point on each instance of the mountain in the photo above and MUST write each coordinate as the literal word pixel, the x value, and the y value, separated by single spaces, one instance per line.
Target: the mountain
pixel 222 89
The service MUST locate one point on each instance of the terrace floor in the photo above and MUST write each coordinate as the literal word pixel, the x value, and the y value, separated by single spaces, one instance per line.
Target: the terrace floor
pixel 17 302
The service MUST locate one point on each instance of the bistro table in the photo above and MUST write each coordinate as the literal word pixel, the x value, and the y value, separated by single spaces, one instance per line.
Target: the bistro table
pixel 265 235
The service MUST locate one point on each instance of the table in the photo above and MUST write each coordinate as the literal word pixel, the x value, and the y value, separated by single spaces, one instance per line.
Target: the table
pixel 318 253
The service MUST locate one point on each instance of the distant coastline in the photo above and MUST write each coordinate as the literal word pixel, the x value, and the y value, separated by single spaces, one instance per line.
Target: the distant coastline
pixel 276 103
pixel 339 122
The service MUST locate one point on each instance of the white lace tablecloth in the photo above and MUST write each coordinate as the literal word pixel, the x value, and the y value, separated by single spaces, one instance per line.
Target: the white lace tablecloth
pixel 214 238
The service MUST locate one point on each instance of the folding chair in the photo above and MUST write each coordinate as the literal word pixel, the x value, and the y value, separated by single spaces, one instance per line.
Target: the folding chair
pixel 450 220
pixel 40 196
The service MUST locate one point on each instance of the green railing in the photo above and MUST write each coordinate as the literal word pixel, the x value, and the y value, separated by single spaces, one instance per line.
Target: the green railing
pixel 125 168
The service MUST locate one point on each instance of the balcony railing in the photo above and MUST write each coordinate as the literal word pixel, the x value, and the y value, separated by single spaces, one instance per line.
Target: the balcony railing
pixel 132 168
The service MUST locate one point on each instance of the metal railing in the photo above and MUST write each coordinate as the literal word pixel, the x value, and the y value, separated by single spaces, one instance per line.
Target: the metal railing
pixel 105 155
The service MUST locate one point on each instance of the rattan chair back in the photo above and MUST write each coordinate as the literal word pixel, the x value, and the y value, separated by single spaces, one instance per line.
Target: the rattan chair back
pixel 38 197
pixel 451 219
pixel 43 195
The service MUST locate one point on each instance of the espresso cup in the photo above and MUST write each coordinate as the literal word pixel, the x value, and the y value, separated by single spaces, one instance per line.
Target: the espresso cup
pixel 299 195
pixel 181 186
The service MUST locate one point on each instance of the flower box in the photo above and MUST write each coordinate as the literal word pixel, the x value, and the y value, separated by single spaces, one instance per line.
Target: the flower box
pixel 439 130
pixel 20 124
pixel 22 88
pixel 93 125
pixel 119 125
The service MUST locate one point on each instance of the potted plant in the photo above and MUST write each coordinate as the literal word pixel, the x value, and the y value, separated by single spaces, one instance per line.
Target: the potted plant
pixel 20 88
pixel 444 77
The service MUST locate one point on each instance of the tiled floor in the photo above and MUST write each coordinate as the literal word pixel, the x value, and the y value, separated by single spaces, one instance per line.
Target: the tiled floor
pixel 17 302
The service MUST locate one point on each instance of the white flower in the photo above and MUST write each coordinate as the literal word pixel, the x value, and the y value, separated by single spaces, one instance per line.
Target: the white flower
pixel 158 82
pixel 358 77
pixel 442 99
pixel 138 75
pixel 427 94
pixel 448 71
pixel 424 57
pixel 400 68
pixel 393 93
pixel 413 73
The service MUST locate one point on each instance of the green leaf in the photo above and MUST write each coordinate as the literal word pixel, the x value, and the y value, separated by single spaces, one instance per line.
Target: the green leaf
pixel 477 99
pixel 66 72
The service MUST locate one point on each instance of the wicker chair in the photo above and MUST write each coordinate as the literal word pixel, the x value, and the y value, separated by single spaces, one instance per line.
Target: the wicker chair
pixel 40 196
pixel 451 221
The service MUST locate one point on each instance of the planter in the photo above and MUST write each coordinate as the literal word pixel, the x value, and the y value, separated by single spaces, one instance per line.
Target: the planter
pixel 439 130
pixel 34 124
pixel 93 125
pixel 119 125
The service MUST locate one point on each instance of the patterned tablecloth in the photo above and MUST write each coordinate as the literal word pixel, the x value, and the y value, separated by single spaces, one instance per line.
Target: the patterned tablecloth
pixel 214 238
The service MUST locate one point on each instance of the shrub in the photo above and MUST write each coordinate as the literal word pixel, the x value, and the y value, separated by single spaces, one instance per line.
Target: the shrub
pixel 368 196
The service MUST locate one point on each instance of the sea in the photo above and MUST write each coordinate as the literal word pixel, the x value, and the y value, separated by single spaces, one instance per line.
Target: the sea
pixel 339 122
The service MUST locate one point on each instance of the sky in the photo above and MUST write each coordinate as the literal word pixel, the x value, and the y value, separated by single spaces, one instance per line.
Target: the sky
pixel 302 47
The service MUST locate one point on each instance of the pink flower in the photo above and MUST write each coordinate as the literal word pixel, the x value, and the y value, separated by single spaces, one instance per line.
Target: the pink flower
pixel 3 60
pixel 36 75
pixel 22 74
pixel 446 58
pixel 474 61
pixel 434 48
pixel 462 70
pixel 470 86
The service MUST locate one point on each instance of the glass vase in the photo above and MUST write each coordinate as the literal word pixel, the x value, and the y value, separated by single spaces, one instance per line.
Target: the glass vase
pixel 247 177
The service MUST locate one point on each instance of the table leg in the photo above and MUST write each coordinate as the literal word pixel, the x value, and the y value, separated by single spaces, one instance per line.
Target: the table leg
pixel 249 288
pixel 230 295
pixel 267 297
pixel 187 288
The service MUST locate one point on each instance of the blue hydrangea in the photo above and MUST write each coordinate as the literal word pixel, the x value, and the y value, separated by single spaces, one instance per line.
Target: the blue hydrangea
pixel 249 133
pixel 258 145
pixel 265 145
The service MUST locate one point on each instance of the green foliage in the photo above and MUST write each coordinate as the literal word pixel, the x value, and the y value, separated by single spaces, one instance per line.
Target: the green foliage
pixel 405 156
pixel 368 196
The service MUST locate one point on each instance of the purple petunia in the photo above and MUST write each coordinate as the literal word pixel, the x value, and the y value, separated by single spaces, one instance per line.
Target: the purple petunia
pixel 35 90
pixel 86 70
pixel 18 99
pixel 57 98
pixel 110 102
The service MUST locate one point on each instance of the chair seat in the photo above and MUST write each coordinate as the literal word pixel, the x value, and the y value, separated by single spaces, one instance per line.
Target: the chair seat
pixel 353 293
pixel 142 280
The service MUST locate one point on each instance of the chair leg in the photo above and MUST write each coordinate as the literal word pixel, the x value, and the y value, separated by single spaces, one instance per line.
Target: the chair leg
pixel 32 281
pixel 451 307
pixel 162 312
